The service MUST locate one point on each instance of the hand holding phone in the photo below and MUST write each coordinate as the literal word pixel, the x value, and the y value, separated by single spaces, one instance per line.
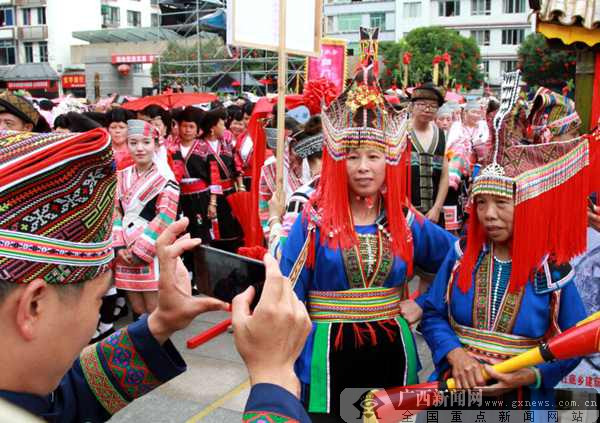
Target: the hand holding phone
pixel 224 275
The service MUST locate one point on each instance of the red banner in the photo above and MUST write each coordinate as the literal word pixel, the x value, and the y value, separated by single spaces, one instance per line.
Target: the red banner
pixel 73 81
pixel 330 65
pixel 28 85
pixel 133 58
pixel 596 96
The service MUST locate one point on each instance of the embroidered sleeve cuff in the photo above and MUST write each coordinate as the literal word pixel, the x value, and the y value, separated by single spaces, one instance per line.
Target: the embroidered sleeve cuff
pixel 272 401
pixel 216 189
pixel 128 364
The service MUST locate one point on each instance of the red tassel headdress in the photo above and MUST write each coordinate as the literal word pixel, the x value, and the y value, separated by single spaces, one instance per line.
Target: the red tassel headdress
pixel 361 118
pixel 549 184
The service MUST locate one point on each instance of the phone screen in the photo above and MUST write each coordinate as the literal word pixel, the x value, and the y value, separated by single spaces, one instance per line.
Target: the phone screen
pixel 223 275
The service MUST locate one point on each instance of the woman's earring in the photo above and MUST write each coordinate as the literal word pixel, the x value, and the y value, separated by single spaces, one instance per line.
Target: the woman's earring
pixel 383 189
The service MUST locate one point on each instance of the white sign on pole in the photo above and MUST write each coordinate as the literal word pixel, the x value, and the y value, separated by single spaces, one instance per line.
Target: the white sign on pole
pixel 255 24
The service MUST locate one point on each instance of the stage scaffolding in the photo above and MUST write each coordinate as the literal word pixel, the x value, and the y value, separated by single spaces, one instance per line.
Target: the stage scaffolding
pixel 208 73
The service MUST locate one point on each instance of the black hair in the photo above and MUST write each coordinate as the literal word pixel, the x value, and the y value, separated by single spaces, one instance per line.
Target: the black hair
pixel 75 122
pixel 154 111
pixel 118 115
pixel 248 108
pixel 190 114
pixel 45 104
pixel 216 104
pixel 492 106
pixel 234 113
pixel 99 117
pixel 211 119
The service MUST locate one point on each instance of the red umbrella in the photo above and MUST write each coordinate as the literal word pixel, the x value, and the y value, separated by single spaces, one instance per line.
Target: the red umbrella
pixel 170 101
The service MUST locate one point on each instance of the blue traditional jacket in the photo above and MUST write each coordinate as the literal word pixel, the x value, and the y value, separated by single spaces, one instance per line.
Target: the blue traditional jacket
pixel 547 305
pixel 330 273
pixel 130 363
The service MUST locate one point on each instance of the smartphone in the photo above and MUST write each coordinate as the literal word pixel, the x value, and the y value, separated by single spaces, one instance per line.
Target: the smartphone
pixel 223 275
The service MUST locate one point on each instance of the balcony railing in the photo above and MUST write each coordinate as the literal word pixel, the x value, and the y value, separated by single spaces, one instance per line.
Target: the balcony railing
pixel 32 33
pixel 30 3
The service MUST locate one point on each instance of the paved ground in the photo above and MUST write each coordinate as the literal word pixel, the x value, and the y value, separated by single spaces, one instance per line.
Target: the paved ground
pixel 215 387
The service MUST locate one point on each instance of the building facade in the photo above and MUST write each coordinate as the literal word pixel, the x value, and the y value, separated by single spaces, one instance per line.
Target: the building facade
pixel 498 26
pixel 343 18
pixel 34 31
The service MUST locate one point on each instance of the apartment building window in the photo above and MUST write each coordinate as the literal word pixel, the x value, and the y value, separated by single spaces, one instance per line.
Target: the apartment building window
pixel 508 65
pixel 330 26
pixel 155 19
pixel 43 48
pixel 481 36
pixel 111 16
pixel 485 68
pixel 514 6
pixel 28 52
pixel 377 20
pixel 26 14
pixel 449 8
pixel 7 52
pixel 481 7
pixel 7 16
pixel 134 18
pixel 412 9
pixel 349 23
pixel 512 36
pixel 41 16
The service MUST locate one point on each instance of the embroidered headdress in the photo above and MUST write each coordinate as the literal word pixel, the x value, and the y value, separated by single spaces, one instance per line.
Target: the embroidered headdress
pixel 56 206
pixel 141 128
pixel 361 118
pixel 549 184
pixel 24 110
pixel 551 115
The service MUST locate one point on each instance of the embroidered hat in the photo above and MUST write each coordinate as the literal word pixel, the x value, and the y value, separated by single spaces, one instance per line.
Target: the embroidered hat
pixel 23 109
pixel 309 139
pixel 138 127
pixel 56 206
pixel 551 115
pixel 291 124
pixel 361 118
pixel 549 184
pixel 427 91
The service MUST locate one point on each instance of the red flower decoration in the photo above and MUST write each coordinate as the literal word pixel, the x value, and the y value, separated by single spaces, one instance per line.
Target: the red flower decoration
pixel 446 58
pixel 436 59
pixel 317 91
pixel 406 58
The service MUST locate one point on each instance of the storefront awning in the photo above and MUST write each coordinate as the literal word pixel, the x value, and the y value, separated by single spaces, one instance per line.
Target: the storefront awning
pixel 125 35
pixel 30 72
pixel 571 21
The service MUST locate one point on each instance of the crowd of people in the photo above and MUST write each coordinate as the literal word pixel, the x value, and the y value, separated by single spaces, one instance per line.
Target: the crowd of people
pixel 373 194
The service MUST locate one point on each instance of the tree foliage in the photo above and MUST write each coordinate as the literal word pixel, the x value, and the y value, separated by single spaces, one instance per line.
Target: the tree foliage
pixel 543 65
pixel 424 44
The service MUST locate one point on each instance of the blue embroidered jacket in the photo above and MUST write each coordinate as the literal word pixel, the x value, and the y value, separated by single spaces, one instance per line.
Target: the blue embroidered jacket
pixel 533 317
pixel 130 363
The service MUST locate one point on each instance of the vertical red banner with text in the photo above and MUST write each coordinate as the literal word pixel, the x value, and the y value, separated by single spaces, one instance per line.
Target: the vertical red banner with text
pixel 331 64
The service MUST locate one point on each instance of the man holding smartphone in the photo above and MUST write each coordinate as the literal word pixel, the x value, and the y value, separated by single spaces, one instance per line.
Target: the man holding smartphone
pixel 53 277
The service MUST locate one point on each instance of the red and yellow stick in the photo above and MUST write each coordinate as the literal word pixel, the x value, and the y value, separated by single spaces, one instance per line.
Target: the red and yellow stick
pixel 580 340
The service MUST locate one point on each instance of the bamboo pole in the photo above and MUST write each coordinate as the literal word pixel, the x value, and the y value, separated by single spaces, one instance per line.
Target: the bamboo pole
pixel 281 89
